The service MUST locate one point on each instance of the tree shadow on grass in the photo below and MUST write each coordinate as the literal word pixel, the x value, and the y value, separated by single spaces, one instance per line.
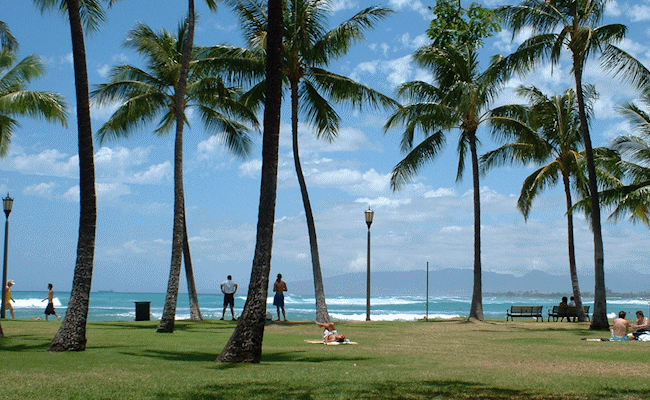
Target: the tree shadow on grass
pixel 184 356
pixel 443 389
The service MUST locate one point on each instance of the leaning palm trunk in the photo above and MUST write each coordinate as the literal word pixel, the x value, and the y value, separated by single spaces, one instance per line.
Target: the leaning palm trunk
pixel 178 235
pixel 72 333
pixel 322 314
pixel 572 253
pixel 476 310
pixel 245 344
pixel 599 320
pixel 195 309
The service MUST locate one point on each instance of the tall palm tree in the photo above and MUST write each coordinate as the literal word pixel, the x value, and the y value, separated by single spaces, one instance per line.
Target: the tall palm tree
pixel 89 14
pixel 308 48
pixel 570 25
pixel 545 133
pixel 245 344
pixel 461 101
pixel 148 94
pixel 16 100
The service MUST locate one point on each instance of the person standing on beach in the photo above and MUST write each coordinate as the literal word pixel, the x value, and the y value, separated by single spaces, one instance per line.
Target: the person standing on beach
pixel 49 310
pixel 9 298
pixel 228 288
pixel 279 287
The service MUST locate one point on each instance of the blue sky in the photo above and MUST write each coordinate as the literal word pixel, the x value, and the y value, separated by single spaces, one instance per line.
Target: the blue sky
pixel 430 220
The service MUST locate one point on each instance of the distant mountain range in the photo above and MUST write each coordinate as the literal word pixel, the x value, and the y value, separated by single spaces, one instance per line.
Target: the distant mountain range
pixel 458 282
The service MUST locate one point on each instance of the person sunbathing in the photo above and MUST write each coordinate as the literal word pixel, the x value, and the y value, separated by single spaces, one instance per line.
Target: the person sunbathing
pixel 620 328
pixel 330 334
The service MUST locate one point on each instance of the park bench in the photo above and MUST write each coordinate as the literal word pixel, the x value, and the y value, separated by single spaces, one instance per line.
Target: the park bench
pixel 559 313
pixel 525 311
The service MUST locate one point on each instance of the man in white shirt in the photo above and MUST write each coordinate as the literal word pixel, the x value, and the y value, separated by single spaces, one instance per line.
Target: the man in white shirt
pixel 229 287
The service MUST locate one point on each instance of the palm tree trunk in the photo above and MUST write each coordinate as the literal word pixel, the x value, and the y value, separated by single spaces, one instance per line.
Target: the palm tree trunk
pixel 476 310
pixel 572 252
pixel 169 311
pixel 245 344
pixel 72 333
pixel 321 307
pixel 195 309
pixel 599 320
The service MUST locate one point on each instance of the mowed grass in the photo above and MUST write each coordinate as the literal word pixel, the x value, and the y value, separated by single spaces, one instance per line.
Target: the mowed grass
pixel 393 360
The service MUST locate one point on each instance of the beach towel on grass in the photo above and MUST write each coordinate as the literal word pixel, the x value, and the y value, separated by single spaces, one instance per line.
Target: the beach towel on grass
pixel 346 341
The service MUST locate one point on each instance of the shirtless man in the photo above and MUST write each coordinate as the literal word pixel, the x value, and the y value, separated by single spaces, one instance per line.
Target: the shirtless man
pixel 330 334
pixel 620 328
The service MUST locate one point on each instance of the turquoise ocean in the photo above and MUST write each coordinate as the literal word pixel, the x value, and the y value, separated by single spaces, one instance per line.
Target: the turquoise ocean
pixel 113 306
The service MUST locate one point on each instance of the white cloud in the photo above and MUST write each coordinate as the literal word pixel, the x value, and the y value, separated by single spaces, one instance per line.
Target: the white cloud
pixel 339 5
pixel 48 162
pixel 251 168
pixel 638 13
pixel 441 192
pixel 40 190
pixel 414 5
pixel 154 174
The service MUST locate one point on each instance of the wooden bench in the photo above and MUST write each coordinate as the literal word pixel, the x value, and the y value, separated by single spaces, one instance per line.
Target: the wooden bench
pixel 525 311
pixel 559 313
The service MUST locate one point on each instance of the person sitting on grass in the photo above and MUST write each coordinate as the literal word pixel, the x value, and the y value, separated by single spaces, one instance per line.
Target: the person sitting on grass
pixel 330 334
pixel 620 328
pixel 642 326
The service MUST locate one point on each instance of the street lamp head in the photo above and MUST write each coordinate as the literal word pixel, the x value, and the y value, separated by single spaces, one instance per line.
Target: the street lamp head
pixel 7 203
pixel 369 215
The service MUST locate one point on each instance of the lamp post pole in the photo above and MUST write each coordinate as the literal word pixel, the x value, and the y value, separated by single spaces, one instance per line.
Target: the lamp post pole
pixel 7 203
pixel 369 215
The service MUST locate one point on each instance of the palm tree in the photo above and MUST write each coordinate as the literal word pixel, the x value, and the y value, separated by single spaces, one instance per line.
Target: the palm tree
pixel 245 344
pixel 570 24
pixel 7 40
pixel 460 101
pixel 16 100
pixel 148 94
pixel 546 133
pixel 629 156
pixel 308 47
pixel 72 333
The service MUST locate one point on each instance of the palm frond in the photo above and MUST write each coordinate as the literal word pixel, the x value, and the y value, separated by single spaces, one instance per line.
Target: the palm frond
pixel 423 153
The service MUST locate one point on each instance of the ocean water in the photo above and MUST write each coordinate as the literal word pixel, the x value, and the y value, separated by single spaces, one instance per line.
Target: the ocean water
pixel 112 306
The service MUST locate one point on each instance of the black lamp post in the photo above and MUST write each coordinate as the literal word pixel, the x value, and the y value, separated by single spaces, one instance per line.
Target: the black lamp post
pixel 369 215
pixel 7 203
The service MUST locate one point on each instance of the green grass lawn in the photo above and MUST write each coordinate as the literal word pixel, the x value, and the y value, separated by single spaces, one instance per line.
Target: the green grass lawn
pixel 393 360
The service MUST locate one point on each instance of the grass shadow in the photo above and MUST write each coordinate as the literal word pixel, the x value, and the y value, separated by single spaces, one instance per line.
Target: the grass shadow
pixel 430 389
pixel 184 356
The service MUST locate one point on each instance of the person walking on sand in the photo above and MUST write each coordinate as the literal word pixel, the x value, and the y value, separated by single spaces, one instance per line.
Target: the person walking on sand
pixel 49 310
pixel 228 288
pixel 9 298
pixel 279 287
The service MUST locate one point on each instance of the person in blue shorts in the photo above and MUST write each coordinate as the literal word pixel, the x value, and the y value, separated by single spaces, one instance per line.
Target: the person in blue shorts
pixel 279 287
pixel 620 328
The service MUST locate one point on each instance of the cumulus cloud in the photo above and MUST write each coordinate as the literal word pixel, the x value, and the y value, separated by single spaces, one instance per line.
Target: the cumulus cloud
pixel 40 190
pixel 416 6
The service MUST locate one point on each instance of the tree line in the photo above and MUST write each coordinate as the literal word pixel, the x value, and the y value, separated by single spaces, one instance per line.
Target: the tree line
pixel 288 48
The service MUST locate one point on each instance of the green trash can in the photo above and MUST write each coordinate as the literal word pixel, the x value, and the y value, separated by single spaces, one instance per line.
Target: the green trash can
pixel 142 310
